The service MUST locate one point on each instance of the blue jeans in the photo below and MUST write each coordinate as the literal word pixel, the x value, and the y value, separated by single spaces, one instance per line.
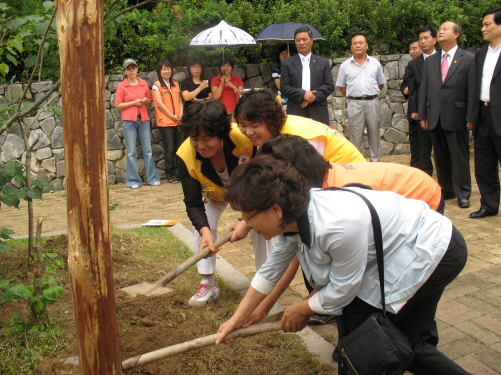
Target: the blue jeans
pixel 132 130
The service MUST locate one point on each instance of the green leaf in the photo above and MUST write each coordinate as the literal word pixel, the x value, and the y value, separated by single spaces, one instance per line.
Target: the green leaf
pixel 8 296
pixel 10 201
pixel 51 269
pixel 48 5
pixel 4 106
pixel 60 263
pixel 38 307
pixel 4 69
pixel 17 43
pixel 30 61
pixel 20 179
pixel 21 291
pixel 5 233
pixel 50 294
pixel 4 283
pixel 52 255
pixel 58 111
pixel 4 247
pixel 35 193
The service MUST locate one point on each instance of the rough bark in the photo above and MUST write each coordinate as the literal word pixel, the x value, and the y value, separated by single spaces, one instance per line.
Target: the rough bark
pixel 81 46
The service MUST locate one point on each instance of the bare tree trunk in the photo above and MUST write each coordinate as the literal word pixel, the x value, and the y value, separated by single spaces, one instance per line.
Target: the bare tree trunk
pixel 41 261
pixel 81 46
pixel 25 130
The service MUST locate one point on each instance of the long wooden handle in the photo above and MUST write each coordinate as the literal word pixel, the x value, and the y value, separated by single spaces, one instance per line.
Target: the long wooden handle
pixel 175 272
pixel 202 342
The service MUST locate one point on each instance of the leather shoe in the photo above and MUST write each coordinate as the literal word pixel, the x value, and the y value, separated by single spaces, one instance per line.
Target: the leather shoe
pixel 463 203
pixel 481 214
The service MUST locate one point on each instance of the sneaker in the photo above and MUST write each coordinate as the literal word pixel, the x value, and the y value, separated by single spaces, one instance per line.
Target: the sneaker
pixel 156 184
pixel 319 319
pixel 134 187
pixel 204 293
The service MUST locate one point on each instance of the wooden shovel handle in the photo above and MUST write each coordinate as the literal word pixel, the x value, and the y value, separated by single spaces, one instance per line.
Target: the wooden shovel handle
pixel 175 272
pixel 202 342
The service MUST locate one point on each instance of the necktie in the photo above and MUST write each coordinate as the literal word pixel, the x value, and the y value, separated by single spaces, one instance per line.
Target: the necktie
pixel 306 74
pixel 445 67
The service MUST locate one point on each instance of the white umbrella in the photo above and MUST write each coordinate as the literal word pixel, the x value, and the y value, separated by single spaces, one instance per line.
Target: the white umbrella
pixel 223 35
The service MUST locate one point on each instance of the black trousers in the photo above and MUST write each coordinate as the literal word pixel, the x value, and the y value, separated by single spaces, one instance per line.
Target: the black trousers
pixel 317 112
pixel 452 161
pixel 487 159
pixel 416 319
pixel 172 137
pixel 420 143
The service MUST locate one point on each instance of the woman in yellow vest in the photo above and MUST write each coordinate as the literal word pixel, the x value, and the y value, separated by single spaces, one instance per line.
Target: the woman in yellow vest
pixel 260 117
pixel 205 160
pixel 169 112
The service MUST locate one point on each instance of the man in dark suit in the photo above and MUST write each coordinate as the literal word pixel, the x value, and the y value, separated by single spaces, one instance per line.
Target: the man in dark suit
pixel 306 80
pixel 419 138
pixel 487 130
pixel 446 105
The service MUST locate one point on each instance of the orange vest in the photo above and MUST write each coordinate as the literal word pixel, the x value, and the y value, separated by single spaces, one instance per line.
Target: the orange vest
pixel 171 98
pixel 407 181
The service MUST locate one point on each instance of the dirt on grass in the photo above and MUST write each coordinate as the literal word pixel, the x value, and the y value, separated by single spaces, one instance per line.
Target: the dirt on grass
pixel 150 323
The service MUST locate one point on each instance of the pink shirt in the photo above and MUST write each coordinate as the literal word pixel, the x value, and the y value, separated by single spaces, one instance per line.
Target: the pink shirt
pixel 128 93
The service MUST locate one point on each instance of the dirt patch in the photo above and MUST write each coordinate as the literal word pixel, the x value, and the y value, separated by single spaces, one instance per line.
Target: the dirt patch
pixel 150 323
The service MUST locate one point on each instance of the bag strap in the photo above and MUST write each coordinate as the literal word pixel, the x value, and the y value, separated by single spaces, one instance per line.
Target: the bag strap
pixel 378 240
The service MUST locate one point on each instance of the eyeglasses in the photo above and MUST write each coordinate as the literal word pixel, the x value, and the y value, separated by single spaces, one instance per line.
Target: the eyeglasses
pixel 247 218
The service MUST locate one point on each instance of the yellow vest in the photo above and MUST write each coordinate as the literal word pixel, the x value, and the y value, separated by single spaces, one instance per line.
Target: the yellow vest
pixel 243 151
pixel 337 149
pixel 171 98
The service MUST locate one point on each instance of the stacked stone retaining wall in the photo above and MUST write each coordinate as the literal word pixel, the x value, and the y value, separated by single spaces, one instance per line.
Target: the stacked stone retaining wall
pixel 46 130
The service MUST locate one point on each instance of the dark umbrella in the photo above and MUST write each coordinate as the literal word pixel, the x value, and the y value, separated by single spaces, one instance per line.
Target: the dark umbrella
pixel 283 33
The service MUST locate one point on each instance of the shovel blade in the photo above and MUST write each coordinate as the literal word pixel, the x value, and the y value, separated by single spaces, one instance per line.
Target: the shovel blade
pixel 142 288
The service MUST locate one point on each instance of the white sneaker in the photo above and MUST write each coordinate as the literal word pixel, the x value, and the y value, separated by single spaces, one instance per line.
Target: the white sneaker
pixel 134 187
pixel 204 293
pixel 156 184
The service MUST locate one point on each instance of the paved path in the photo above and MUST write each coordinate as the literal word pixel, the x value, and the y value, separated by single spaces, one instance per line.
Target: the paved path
pixel 469 314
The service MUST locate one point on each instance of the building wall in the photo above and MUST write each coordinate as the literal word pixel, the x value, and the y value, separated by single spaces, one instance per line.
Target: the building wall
pixel 46 130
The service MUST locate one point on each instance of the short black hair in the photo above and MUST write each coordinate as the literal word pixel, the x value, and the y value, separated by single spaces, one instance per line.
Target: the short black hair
pixel 260 106
pixel 194 62
pixel 300 153
pixel 209 116
pixel 225 60
pixel 167 64
pixel 303 29
pixel 359 33
pixel 431 29
pixel 413 40
pixel 497 15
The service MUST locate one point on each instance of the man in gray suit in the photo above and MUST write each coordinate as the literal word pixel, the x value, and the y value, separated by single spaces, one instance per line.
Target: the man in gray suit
pixel 487 130
pixel 446 106
pixel 306 80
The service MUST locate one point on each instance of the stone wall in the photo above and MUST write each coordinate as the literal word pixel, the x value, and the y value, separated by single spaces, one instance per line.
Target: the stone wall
pixel 46 131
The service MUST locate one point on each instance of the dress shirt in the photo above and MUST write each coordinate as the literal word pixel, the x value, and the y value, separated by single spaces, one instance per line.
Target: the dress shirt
pixel 338 255
pixel 305 60
pixel 491 59
pixel 450 55
pixel 425 55
pixel 361 80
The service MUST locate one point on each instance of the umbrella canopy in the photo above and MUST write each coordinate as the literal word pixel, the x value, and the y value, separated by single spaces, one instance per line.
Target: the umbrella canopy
pixel 223 35
pixel 283 33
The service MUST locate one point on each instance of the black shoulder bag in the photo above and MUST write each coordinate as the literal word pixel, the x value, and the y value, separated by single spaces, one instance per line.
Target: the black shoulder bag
pixel 376 347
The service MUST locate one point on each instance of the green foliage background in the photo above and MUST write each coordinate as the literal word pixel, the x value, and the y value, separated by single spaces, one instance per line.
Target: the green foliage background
pixel 154 33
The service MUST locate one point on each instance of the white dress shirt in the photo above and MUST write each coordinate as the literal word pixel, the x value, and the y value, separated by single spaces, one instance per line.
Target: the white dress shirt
pixel 341 261
pixel 305 60
pixel 491 59
pixel 425 55
pixel 450 55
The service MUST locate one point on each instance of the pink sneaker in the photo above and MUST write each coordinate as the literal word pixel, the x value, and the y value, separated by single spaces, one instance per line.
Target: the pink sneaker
pixel 204 293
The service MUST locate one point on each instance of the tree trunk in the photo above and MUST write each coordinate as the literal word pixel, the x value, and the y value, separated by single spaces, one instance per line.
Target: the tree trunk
pixel 81 46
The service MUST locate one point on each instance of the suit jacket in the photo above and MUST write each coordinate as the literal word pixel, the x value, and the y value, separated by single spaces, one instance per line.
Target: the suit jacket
pixel 495 91
pixel 291 78
pixel 415 68
pixel 405 82
pixel 451 102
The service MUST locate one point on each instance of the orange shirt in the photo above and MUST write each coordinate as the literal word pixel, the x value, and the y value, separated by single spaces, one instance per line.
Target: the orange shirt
pixel 407 181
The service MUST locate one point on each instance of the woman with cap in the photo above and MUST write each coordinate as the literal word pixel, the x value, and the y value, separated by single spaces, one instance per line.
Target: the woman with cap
pixel 132 96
